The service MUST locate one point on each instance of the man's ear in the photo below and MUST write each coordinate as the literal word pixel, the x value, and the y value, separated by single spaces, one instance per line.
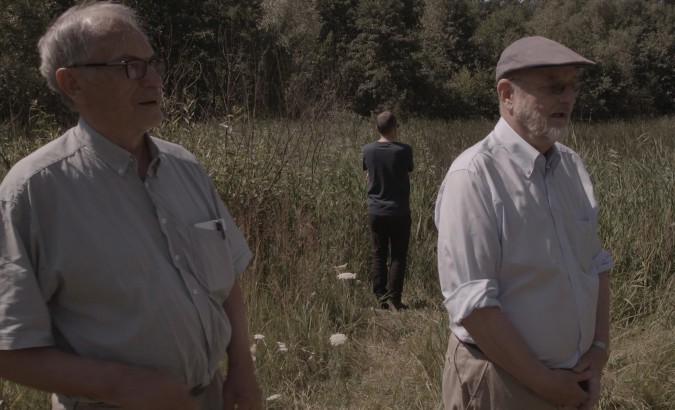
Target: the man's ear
pixel 70 82
pixel 505 91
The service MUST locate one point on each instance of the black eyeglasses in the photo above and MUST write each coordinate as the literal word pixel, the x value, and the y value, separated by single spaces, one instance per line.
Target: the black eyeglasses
pixel 135 67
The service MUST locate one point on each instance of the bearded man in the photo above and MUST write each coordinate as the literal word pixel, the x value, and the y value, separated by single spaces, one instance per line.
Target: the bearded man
pixel 523 274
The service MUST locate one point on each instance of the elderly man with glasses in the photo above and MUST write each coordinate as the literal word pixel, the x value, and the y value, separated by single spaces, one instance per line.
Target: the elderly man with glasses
pixel 521 267
pixel 119 263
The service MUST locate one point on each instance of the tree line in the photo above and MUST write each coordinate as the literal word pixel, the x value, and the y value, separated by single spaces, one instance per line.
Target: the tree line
pixel 429 58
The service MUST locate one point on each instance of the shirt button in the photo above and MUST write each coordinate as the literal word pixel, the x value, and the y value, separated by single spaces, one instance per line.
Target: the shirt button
pixel 177 258
pixel 195 291
pixel 163 220
pixel 120 171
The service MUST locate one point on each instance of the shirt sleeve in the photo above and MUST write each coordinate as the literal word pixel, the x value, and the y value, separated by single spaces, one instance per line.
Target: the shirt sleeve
pixel 24 318
pixel 469 250
pixel 602 259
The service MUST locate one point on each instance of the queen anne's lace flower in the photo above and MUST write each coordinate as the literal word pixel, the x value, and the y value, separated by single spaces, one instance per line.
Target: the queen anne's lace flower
pixel 338 339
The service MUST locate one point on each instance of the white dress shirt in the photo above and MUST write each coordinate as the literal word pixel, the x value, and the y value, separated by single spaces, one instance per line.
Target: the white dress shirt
pixel 517 230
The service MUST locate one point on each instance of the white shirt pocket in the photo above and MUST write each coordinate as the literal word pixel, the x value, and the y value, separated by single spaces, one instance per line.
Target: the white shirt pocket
pixel 210 258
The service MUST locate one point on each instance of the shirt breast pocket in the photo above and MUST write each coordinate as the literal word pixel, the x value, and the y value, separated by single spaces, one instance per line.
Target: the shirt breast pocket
pixel 210 258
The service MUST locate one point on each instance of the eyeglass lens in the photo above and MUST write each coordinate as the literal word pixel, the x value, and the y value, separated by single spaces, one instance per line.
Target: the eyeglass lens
pixel 137 69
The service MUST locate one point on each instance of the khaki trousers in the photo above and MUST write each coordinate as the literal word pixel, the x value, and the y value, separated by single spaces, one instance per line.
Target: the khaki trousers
pixel 471 381
pixel 210 399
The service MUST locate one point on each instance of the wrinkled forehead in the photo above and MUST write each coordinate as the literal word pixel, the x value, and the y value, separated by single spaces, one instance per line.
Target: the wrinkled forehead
pixel 118 40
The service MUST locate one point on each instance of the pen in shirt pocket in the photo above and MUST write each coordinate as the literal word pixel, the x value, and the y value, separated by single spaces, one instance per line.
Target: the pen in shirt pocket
pixel 220 227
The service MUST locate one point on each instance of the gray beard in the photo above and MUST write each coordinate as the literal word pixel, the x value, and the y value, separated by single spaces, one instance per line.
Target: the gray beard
pixel 536 123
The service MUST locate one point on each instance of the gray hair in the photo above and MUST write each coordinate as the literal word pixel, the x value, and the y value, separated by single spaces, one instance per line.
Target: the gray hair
pixel 71 38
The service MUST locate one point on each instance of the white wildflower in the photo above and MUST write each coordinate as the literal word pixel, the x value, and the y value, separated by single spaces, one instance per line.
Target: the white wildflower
pixel 338 339
pixel 341 267
pixel 253 349
pixel 282 347
pixel 274 397
pixel 258 336
pixel 346 276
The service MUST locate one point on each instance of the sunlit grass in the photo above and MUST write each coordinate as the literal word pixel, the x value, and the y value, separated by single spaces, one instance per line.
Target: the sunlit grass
pixel 297 190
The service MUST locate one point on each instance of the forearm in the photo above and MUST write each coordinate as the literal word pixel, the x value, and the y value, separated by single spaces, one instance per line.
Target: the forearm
pixel 52 370
pixel 241 387
pixel 503 345
pixel 238 349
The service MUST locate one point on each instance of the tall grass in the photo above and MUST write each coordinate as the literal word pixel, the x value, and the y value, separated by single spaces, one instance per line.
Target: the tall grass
pixel 297 190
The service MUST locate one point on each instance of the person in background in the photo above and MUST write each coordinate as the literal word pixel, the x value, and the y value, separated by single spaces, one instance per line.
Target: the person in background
pixel 522 270
pixel 388 164
pixel 119 263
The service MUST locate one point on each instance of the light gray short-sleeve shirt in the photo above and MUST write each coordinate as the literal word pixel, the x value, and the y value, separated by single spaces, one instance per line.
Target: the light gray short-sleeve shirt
pixel 97 262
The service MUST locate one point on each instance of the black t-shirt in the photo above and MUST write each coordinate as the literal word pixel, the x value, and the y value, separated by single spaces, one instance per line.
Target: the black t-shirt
pixel 388 164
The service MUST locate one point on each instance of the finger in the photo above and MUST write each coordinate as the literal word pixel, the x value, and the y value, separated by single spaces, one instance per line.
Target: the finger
pixel 229 399
pixel 583 364
pixel 594 391
pixel 583 375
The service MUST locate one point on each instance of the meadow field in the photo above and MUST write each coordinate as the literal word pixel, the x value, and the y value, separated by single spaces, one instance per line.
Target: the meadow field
pixel 297 190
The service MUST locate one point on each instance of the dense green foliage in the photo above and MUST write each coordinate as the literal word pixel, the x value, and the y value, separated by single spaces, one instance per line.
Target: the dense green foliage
pixel 431 58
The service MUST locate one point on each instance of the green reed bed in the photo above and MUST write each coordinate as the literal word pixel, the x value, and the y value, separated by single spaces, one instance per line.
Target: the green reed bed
pixel 297 190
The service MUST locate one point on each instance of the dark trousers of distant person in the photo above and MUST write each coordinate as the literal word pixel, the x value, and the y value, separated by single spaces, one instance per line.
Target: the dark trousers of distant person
pixel 389 231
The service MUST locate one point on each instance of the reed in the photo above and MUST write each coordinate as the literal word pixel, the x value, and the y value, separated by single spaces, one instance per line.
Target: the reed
pixel 297 190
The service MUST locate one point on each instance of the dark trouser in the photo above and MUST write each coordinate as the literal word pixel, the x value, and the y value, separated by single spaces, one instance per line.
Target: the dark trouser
pixel 389 230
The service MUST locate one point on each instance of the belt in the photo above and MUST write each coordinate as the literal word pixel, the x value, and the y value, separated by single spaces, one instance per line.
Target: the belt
pixel 197 390
pixel 470 346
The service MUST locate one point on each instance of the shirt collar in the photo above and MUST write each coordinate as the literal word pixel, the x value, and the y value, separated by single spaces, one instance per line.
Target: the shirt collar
pixel 114 156
pixel 524 154
pixel 155 155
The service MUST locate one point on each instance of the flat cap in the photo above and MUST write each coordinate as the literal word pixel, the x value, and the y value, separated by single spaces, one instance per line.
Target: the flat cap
pixel 536 52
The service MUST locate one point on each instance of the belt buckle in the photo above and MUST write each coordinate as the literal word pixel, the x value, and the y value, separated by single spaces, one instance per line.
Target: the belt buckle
pixel 197 390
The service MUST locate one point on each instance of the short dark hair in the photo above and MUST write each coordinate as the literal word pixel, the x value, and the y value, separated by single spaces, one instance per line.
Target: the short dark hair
pixel 385 122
